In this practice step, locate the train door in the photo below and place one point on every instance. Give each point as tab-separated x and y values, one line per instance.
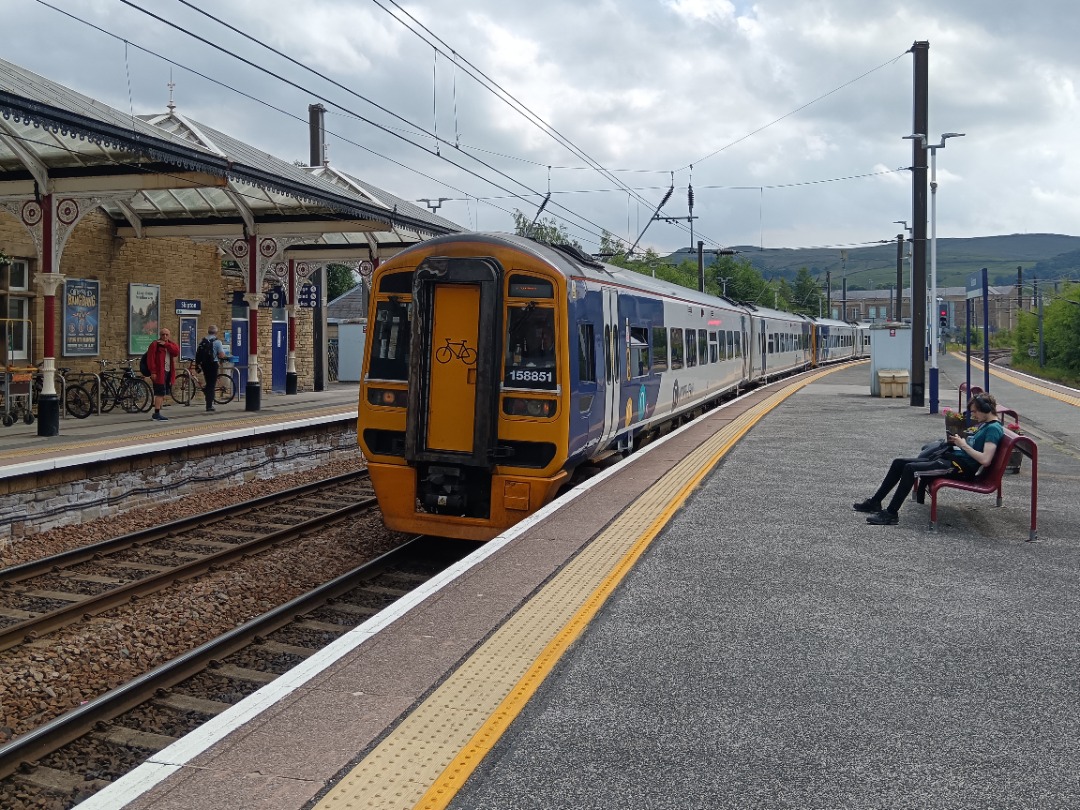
763	348
454	361
611	364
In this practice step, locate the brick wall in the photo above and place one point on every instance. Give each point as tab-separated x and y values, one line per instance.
183	269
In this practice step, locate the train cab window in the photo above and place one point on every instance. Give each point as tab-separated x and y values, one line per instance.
659	349
676	349
638	350
390	340
530	347
703	347
586	353
396	283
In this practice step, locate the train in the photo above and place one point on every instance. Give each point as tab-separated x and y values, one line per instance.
496	365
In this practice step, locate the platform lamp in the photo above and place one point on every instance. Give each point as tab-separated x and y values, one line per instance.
933	255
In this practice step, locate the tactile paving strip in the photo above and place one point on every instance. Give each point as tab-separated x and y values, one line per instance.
425	760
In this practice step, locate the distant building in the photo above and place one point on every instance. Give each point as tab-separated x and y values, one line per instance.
880	306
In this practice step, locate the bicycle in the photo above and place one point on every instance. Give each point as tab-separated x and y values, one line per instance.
124	388
190	379
77	399
458	349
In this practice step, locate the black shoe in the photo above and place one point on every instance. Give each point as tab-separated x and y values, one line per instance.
211	410
866	506
883	518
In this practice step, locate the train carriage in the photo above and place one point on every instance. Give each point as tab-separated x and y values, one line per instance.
495	365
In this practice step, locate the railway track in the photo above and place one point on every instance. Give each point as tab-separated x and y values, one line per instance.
42	596
79	753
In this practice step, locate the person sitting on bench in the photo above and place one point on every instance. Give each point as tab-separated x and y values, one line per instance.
965	457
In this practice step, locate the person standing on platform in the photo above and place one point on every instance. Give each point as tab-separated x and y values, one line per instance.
161	357
965	458
208	355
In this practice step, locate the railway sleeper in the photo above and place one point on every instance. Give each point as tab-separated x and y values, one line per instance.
53	779
190	703
133	738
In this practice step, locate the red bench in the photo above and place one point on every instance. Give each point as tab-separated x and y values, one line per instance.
989	480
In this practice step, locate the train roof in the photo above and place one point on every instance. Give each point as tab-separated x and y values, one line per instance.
572	263
832	322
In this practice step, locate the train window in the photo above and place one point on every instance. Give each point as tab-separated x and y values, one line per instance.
714	351
390	341
659	349
676	349
639	351
529	287
772	343
396	283
738	343
586	353
530	347
703	346
691	348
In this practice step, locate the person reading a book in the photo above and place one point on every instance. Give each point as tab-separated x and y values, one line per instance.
965	458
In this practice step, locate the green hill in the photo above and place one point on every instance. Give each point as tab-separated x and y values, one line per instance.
1042	255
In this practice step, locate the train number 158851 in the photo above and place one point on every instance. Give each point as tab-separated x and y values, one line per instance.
529	375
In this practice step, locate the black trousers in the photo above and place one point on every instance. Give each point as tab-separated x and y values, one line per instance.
901	475
210	375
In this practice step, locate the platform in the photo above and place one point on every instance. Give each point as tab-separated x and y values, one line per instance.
105	435
708	624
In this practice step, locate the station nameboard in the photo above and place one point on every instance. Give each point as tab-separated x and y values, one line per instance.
188	306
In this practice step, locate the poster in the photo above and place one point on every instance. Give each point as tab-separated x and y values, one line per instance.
81	317
189	337
144	316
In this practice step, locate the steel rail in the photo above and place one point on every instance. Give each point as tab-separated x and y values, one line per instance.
35	627
33	568
60	731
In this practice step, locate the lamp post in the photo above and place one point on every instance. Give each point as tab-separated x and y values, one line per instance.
933	256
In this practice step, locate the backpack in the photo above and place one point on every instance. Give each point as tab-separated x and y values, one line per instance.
144	364
204	354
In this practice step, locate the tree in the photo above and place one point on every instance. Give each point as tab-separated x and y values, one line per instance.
806	297
340	278
543	230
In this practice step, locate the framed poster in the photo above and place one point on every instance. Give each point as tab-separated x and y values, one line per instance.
144	316
189	337
81	317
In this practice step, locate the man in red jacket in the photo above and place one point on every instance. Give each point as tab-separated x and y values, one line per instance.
161	357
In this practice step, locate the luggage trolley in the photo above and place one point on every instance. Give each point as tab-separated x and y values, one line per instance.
16	381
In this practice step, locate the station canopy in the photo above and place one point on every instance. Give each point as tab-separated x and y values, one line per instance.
165	175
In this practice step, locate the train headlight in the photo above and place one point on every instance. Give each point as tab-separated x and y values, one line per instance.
527	406
388	397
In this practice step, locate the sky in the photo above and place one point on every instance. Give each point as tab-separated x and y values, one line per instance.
786	117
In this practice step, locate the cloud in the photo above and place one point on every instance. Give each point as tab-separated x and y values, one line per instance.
773	103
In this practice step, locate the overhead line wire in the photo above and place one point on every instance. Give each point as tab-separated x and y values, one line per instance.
795	111
348	90
321	97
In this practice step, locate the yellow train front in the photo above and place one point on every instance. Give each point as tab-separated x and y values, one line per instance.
463	368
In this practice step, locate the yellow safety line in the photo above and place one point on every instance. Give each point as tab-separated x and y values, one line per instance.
1050	392
453	777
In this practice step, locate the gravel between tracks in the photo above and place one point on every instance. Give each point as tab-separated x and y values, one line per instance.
78	663
44	544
